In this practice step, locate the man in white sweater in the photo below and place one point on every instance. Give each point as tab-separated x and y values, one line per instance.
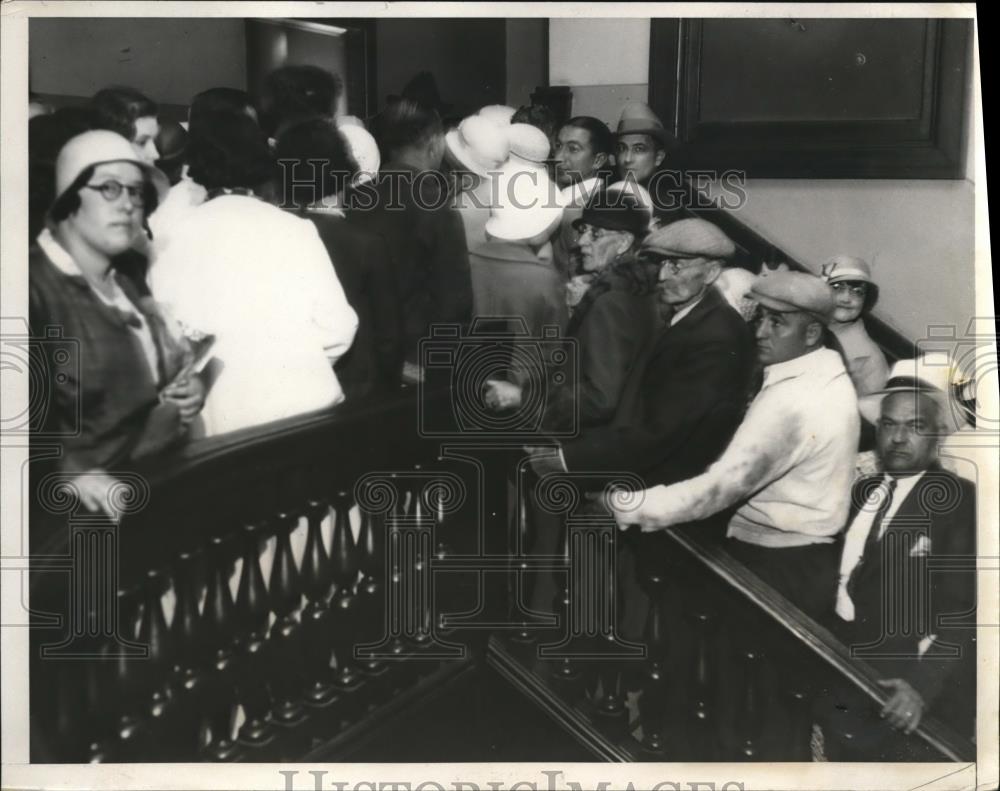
789	467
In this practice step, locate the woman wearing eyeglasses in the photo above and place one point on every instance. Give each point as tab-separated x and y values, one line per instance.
112	391
855	293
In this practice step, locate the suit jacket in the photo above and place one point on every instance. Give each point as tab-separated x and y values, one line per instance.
361	260
681	403
611	326
426	240
935	524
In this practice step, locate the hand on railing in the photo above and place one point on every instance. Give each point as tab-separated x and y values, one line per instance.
905	706
499	395
95	488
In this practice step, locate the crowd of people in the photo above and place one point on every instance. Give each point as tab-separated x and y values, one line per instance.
314	252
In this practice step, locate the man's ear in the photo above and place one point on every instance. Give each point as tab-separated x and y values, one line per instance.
600	160
660	156
712	272
814	333
626	242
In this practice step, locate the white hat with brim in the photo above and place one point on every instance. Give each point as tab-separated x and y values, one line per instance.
479	145
100	147
363	149
528	203
931	375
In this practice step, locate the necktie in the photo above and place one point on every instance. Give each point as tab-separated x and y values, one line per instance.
866	527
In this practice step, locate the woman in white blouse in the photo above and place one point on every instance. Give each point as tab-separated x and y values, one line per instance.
260	280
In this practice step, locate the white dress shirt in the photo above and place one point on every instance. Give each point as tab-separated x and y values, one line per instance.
857	534
791	462
261	281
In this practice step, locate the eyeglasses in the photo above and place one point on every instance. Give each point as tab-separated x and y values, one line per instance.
676	264
597	233
855	289
112	190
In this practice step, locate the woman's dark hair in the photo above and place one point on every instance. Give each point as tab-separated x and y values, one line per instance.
118	108
228	150
538	115
68	203
601	138
218	100
314	161
294	93
405	123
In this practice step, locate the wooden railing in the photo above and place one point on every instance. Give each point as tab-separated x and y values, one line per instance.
729	669
235	612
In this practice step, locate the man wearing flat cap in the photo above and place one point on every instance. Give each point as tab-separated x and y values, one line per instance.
687	390
788	469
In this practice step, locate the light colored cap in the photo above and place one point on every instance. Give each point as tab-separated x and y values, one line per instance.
846	267
794	291
931	374
364	149
478	144
528	203
528	143
349	120
98	147
499	114
633	187
692	238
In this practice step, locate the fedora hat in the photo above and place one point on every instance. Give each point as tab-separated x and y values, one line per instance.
527	203
932	375
638	118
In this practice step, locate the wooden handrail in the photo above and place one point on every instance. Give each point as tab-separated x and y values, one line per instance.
815	637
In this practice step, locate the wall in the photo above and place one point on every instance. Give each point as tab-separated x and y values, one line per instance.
466	56
606	61
918	233
527	65
170	60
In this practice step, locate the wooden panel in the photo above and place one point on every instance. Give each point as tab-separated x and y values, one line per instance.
837	99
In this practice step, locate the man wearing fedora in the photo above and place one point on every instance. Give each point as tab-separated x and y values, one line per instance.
788	470
474	151
685	393
904	519
640	154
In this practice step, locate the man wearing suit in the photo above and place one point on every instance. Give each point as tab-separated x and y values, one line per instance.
788	470
687	390
905	523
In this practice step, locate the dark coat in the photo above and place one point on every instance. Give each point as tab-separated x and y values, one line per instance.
681	403
426	241
941	508
97	399
610	327
508	279
364	269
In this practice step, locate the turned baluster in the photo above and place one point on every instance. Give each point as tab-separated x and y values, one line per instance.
521	583
700	726
749	724
371	590
418	584
219	631
252	615
566	673
121	692
153	633
653	702
316	625
345	605
285	597
188	687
